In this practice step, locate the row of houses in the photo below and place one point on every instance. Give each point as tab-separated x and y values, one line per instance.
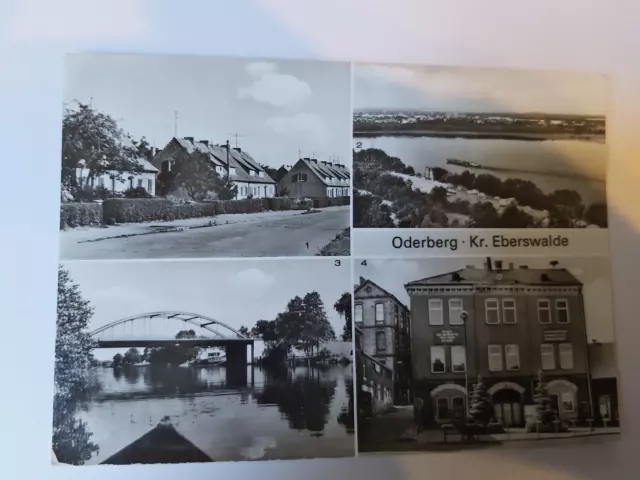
307	178
504	323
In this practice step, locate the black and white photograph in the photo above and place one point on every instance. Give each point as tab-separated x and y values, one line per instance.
446	147
198	361
456	354
167	156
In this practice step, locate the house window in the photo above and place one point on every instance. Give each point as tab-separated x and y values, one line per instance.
565	352
101	182
299	177
150	186
381	341
131	183
562	310
139	182
508	310
455	310
442	408
512	357
435	311
113	184
495	358
457	407
567	402
438	361
492	311
604	406
458	358
547	356
379	312
544	310
358	313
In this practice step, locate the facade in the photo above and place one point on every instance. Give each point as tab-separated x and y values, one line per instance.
385	324
374	380
243	171
506	325
309	178
604	384
118	182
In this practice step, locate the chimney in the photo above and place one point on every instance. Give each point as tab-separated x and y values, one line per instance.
307	159
205	142
498	264
329	163
189	139
238	149
488	265
524	267
324	162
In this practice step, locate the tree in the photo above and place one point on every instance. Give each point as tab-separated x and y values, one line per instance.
93	140
545	414
317	326
132	356
484	215
186	334
439	174
196	174
488	184
244	331
480	408
272	172
596	214
343	307
143	148
118	360
570	199
513	217
439	195
73	354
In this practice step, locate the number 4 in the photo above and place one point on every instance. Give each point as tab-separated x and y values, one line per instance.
363	263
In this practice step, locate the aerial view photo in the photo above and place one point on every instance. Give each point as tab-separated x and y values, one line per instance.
486	148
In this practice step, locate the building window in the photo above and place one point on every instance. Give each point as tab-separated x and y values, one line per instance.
150	186
113	184
139	182
512	357
565	352
495	358
442	408
299	177
544	310
101	182
131	183
457	407
567	402
435	311
438	361
604	406
379	312
548	357
509	310
562	310
458	358
455	310
358	313
381	341
492	311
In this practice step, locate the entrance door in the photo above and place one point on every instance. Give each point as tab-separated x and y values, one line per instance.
507	414
516	409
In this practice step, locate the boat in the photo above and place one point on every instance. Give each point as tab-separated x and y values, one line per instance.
210	357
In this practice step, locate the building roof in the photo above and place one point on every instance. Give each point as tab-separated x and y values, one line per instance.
238	159
332	175
511	276
365	282
146	165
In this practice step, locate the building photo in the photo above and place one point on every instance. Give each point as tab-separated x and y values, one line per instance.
169	156
203	361
495	350
453	147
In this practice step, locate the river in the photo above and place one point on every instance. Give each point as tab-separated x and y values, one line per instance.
550	164
292	413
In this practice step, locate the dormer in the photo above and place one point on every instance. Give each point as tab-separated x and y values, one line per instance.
261	174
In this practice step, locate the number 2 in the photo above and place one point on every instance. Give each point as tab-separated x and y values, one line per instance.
358	144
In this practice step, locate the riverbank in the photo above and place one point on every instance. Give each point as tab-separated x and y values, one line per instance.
495	135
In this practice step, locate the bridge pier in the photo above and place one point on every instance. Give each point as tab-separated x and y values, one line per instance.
236	365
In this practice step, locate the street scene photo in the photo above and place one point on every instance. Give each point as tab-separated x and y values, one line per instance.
192	157
198	361
467	353
441	147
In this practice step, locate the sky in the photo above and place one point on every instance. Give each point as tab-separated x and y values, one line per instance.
236	292
278	108
593	272
478	90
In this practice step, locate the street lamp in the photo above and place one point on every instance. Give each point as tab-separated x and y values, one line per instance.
464	316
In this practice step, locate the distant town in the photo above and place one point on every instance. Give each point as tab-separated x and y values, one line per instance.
521	126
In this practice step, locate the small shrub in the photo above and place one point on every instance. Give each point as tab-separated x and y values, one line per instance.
138	192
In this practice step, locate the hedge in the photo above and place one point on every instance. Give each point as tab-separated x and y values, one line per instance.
331	202
80	214
126	210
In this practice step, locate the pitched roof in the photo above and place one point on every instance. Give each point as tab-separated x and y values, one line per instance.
519	276
390	295
337	176
146	165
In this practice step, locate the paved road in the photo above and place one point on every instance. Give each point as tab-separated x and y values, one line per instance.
301	235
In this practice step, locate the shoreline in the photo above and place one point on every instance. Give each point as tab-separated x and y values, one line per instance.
532	137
